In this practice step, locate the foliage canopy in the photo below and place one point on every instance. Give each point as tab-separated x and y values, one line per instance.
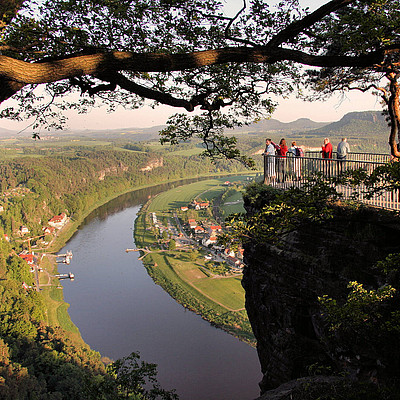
187	55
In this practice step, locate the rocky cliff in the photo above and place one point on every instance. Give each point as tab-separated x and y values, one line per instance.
283	281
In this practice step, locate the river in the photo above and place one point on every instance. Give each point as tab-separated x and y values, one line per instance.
118	309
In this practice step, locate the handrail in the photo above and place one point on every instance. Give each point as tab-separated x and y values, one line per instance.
355	156
287	172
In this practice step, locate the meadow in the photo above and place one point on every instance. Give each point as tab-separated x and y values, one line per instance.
183	195
233	204
183	273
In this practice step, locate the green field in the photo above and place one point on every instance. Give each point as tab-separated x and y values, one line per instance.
219	299
236	207
188	152
176	271
183	195
227	291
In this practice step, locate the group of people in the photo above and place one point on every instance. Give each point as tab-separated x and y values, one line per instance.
284	167
281	149
343	149
280	165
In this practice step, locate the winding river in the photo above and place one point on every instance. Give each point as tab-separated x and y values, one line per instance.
119	309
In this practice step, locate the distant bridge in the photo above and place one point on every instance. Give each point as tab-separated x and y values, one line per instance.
291	171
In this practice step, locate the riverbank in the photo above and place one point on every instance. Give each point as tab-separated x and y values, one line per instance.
183	274
73	225
57	308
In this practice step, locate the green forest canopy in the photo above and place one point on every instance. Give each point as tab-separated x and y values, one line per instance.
194	58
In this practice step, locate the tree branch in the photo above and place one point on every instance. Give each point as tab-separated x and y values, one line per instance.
102	63
293	29
147	93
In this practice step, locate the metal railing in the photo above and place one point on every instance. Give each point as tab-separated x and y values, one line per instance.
291	171
373	157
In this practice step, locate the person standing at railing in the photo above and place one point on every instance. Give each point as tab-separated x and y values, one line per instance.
294	157
269	153
327	150
343	149
281	150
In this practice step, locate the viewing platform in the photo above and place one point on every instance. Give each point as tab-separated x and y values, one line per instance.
292	171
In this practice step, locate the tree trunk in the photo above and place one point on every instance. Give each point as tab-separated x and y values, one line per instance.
394	113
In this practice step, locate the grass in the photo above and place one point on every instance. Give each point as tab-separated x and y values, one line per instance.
65	320
219	300
183	195
237	207
228	291
188	152
168	266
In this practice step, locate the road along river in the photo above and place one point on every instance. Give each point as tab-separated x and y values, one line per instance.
118	309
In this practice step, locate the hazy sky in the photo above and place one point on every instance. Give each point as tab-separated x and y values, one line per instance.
288	109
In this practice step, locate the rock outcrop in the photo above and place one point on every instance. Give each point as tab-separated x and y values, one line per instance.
283	282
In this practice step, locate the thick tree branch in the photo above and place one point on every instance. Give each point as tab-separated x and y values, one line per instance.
293	29
8	88
104	63
163	98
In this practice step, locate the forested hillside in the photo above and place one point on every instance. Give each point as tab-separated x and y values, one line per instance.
38	360
35	189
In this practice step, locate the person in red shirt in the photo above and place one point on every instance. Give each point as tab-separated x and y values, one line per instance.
327	149
327	154
281	150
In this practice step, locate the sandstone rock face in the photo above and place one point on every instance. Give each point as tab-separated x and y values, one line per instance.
283	282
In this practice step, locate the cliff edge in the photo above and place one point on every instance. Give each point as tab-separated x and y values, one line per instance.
284	279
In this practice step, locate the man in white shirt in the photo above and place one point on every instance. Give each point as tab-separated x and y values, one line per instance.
342	149
269	154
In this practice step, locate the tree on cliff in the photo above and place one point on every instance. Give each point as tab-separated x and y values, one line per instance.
188	55
361	31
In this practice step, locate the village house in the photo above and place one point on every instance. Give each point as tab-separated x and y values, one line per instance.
204	204
29	258
49	230
184	208
23	230
233	261
200	205
1	208
214	229
229	253
209	240
58	221
199	229
192	223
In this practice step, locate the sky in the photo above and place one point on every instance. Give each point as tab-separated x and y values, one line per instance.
288	110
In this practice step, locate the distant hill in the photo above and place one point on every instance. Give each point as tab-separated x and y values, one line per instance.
130	134
274	126
355	124
7	133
